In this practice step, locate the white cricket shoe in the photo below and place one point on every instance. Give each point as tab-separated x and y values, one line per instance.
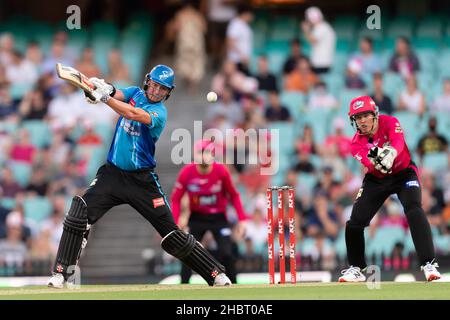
56	281
352	274
430	271
222	280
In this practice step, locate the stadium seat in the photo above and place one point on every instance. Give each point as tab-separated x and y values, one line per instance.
21	172
425	43
284	28
37	209
8	126
442	243
105	131
431	27
340	246
286	136
436	162
98	157
340	63
19	90
345	26
319	121
385	239
393	84
77	41
8	203
43	33
400	26
316	161
277	52
306	183
295	102
442	65
40	133
427	59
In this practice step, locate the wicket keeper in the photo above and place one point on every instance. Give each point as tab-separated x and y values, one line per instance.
209	186
128	177
380	146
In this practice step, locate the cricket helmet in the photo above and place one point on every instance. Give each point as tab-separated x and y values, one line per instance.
161	74
362	104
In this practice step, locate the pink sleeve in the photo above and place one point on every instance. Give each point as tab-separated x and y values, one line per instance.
396	137
177	194
233	194
359	152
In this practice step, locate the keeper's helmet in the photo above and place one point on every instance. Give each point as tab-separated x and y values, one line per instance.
362	104
162	75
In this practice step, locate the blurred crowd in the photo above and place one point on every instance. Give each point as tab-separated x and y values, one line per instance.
321	167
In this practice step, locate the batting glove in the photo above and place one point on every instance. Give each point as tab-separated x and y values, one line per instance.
88	98
103	86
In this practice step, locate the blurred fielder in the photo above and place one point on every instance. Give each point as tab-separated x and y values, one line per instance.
128	177
380	146
209	187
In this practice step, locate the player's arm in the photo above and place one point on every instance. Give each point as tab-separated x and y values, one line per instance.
396	136
233	195
115	99
177	194
360	152
128	111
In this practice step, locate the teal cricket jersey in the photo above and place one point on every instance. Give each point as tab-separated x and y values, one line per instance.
133	145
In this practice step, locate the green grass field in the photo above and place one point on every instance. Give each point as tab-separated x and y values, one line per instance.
311	291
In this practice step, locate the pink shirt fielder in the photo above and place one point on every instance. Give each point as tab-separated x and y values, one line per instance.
208	193
389	130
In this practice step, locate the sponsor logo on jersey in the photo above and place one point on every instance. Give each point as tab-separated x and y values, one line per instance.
412	183
358	157
130	127
217	187
193	187
158	202
208	200
154	114
132	102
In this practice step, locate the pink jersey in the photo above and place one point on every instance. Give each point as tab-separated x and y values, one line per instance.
389	130
208	193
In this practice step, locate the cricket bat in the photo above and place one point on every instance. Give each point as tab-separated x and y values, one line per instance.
76	78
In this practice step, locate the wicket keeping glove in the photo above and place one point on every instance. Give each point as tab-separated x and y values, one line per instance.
382	158
386	157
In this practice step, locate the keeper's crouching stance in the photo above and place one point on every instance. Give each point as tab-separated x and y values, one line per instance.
128	177
380	146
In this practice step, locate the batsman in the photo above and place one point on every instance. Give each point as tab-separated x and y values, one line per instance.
128	177
379	145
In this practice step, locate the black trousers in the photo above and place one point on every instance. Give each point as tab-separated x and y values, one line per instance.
141	190
371	197
199	224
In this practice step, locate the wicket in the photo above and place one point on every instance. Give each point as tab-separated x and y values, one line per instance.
281	239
